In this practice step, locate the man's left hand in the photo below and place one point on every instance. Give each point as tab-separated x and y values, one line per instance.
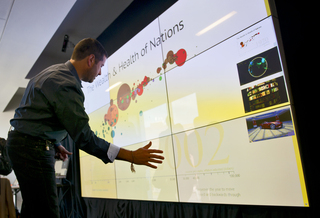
62	153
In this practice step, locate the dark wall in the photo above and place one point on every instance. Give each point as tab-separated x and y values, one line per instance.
297	22
137	16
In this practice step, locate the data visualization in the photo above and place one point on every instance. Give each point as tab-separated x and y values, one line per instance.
206	83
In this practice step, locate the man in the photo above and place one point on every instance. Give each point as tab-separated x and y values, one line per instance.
51	108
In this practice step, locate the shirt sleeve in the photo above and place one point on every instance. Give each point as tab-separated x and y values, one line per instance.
66	99
113	152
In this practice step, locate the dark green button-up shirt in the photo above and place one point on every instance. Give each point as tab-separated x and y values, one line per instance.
52	107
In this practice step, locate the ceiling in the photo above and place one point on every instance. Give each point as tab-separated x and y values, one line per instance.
32	33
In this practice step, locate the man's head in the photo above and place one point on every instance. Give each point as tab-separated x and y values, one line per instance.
88	57
87	47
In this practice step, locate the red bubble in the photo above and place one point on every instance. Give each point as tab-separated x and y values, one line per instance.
140	89
181	57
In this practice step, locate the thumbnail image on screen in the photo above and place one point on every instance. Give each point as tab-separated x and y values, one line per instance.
205	83
270	125
265	94
259	66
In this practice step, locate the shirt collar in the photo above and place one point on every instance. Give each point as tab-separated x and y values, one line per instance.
73	71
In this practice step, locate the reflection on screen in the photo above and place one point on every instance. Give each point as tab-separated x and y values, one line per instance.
204	82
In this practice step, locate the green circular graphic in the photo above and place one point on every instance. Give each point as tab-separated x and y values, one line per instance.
257	67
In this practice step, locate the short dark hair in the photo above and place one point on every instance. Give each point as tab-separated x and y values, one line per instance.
87	47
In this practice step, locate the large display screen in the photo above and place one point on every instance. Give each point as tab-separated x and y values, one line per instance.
205	82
